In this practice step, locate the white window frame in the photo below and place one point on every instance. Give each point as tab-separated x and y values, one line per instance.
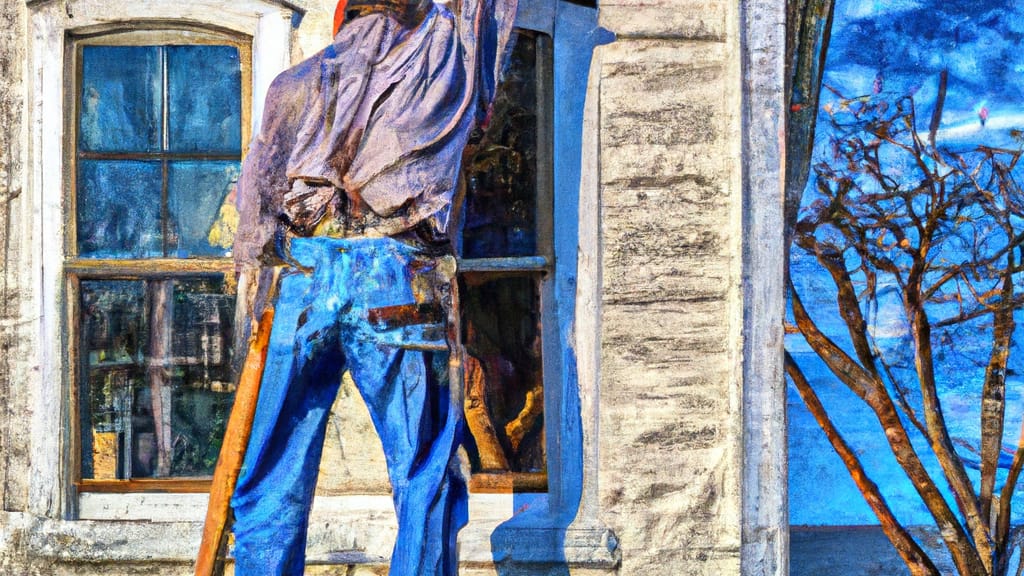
51	25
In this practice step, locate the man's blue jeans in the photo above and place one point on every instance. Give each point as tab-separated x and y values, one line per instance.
322	327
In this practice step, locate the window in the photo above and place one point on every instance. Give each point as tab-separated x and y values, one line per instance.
158	139
506	249
159	119
158	132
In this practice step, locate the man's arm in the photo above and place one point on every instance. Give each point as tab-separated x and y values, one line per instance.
264	181
486	30
259	196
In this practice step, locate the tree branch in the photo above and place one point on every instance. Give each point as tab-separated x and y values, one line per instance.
938	432
1006	498
993	393
913	556
872	391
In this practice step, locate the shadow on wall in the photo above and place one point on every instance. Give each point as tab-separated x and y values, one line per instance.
532	542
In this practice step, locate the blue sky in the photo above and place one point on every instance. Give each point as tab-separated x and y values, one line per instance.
888	49
903	45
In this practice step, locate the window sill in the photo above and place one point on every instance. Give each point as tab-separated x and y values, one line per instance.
155	485
481	483
344	530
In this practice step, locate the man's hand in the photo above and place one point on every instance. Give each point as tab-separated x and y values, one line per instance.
306	204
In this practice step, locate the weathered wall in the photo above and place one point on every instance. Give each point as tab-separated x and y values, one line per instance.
16	343
15	347
671	427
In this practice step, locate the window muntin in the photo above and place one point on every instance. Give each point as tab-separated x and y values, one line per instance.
159	119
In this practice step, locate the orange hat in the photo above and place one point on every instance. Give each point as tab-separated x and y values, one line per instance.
339	15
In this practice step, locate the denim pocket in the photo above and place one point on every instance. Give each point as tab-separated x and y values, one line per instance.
421	324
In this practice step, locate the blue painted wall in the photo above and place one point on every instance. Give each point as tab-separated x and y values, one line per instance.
532	542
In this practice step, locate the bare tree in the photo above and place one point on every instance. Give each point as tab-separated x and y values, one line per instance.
942	229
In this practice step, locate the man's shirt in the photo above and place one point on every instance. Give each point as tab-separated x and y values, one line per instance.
375	123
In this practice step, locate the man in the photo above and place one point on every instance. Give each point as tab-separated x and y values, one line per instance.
349	189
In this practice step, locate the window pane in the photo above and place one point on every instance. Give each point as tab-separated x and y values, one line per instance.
113	348
196	194
118	209
205	87
504	375
157	383
501	176
120	99
202	379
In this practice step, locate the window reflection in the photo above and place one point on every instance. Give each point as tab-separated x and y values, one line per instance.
501	173
157	383
504	372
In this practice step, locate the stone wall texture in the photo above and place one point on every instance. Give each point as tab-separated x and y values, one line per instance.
670	424
15	288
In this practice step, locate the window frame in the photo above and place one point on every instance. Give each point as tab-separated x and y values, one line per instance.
76	268
540	266
39	236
